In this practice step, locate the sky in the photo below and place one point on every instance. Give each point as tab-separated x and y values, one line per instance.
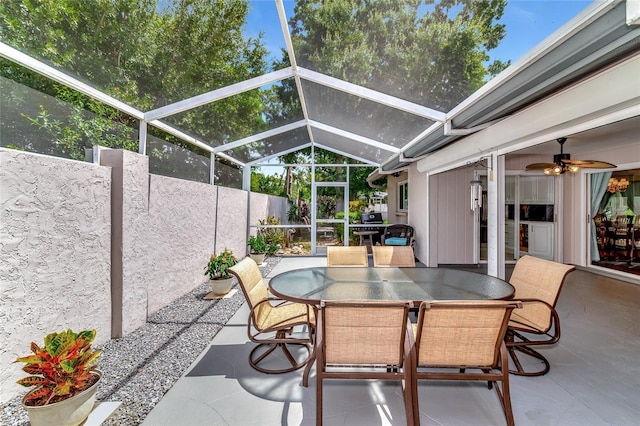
528	22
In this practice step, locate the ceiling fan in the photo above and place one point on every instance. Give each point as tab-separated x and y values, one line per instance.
563	163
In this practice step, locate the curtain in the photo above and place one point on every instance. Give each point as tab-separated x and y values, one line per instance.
599	183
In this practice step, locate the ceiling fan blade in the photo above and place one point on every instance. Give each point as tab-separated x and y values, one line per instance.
539	166
590	164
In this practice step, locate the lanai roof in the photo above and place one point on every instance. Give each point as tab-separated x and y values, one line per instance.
371	122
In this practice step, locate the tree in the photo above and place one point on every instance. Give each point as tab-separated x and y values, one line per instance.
431	53
145	53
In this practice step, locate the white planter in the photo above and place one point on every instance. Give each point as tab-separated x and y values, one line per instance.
222	286
257	257
70	412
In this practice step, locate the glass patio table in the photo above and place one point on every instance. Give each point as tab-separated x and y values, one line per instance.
311	285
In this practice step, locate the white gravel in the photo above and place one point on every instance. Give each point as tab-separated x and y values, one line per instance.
141	367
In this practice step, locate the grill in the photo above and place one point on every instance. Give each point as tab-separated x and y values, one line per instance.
373	219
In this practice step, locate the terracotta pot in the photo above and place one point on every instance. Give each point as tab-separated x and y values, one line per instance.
69	412
257	257
221	286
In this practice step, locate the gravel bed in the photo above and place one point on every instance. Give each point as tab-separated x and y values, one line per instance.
141	367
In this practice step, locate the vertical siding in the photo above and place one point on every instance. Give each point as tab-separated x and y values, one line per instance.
453	217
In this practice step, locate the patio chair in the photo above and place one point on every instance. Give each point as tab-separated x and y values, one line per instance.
537	283
398	235
347	256
393	256
364	340
453	337
271	320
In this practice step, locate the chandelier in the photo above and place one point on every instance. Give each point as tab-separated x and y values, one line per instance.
616	185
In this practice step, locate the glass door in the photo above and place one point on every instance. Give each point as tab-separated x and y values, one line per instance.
331	217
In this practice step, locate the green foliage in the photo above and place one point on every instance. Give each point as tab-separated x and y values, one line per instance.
267	184
62	368
434	53
326	205
143	53
257	244
273	237
218	265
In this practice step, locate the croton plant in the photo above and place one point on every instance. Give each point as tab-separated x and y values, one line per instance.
61	369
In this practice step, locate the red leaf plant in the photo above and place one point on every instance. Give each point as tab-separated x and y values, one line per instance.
61	369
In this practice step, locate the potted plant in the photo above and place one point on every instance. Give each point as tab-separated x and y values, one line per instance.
65	374
217	267
257	248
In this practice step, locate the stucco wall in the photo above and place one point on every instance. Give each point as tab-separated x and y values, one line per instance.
182	218
231	231
262	205
55	231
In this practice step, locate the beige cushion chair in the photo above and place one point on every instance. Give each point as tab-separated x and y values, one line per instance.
393	256
464	340
364	340
347	256
537	283
271	320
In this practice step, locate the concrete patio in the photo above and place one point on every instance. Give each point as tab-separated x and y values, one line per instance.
593	378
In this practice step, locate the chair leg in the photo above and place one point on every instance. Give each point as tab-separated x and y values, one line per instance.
255	359
520	371
318	401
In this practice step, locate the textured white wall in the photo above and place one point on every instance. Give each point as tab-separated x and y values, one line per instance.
263	205
231	230
130	218
55	232
180	239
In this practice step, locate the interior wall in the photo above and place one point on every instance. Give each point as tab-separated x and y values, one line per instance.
55	253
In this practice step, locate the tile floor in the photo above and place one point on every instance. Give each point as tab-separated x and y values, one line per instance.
594	377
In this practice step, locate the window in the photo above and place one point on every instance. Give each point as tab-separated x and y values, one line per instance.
403	196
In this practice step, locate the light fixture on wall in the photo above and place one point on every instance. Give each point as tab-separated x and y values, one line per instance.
616	185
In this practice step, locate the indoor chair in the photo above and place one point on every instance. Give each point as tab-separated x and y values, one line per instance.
347	256
272	320
453	337
364	340
393	256
537	284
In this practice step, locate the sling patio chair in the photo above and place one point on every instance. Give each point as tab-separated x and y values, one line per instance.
393	256
272	320
464	340
347	256
364	340
537	283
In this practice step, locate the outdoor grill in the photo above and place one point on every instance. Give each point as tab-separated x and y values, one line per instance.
373	219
